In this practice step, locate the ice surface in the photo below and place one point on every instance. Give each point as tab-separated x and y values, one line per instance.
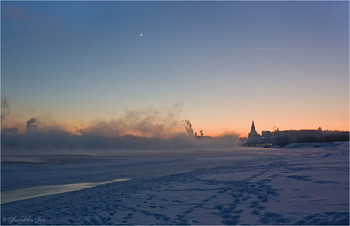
34	192
299	184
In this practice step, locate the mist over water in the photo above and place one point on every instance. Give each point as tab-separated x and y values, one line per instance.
145	123
148	129
60	140
5	108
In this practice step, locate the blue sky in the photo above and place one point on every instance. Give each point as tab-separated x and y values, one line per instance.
279	63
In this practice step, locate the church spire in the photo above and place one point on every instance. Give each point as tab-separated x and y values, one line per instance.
253	128
253	132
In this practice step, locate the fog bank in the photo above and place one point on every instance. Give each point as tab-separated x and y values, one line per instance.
135	130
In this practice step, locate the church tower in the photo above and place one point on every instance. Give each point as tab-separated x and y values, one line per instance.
253	133
252	130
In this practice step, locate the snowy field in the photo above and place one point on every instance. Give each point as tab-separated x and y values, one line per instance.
298	184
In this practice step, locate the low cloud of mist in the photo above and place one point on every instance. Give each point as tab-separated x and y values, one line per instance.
136	130
145	123
56	140
5	108
32	126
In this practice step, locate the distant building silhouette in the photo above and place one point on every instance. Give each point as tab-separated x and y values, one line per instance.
253	137
278	137
253	134
9	131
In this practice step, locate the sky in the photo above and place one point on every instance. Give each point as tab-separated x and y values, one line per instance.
281	64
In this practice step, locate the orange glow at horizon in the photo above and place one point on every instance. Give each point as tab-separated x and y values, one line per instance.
210	128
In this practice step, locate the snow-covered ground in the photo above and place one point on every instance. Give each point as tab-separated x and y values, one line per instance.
298	184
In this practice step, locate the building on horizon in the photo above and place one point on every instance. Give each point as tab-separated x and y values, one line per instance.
9	131
253	137
277	137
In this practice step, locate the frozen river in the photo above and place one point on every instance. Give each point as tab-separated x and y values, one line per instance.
299	184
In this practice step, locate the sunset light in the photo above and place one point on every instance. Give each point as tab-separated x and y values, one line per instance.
175	112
